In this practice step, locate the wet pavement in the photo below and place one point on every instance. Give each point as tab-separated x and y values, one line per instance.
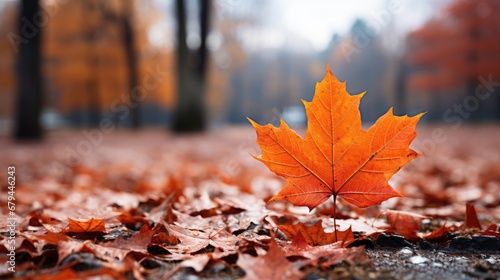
409	263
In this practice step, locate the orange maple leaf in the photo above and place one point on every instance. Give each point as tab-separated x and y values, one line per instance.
337	157
93	225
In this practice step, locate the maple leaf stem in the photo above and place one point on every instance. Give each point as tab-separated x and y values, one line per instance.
334	216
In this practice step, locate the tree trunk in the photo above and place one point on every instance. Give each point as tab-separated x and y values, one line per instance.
30	94
189	115
128	41
203	52
93	36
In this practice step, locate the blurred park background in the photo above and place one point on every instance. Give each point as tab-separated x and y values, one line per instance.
191	65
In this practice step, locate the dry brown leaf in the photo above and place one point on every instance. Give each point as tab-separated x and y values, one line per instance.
273	266
315	235
405	223
327	255
192	240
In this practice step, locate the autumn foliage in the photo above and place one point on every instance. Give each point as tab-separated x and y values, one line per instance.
158	205
451	51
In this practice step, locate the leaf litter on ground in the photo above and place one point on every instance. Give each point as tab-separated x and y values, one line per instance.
149	233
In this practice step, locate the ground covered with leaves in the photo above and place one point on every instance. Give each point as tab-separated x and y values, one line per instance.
151	205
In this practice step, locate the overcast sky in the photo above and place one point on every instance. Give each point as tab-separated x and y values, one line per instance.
316	20
306	25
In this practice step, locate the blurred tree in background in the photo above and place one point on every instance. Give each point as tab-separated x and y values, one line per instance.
27	44
189	64
100	63
349	62
460	51
8	23
191	70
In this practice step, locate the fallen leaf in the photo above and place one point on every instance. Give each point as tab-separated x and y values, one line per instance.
492	230
42	238
405	223
89	226
337	157
471	220
163	211
198	262
66	248
315	235
438	234
137	242
192	241
164	238
69	273
53	237
299	241
274	265
327	255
